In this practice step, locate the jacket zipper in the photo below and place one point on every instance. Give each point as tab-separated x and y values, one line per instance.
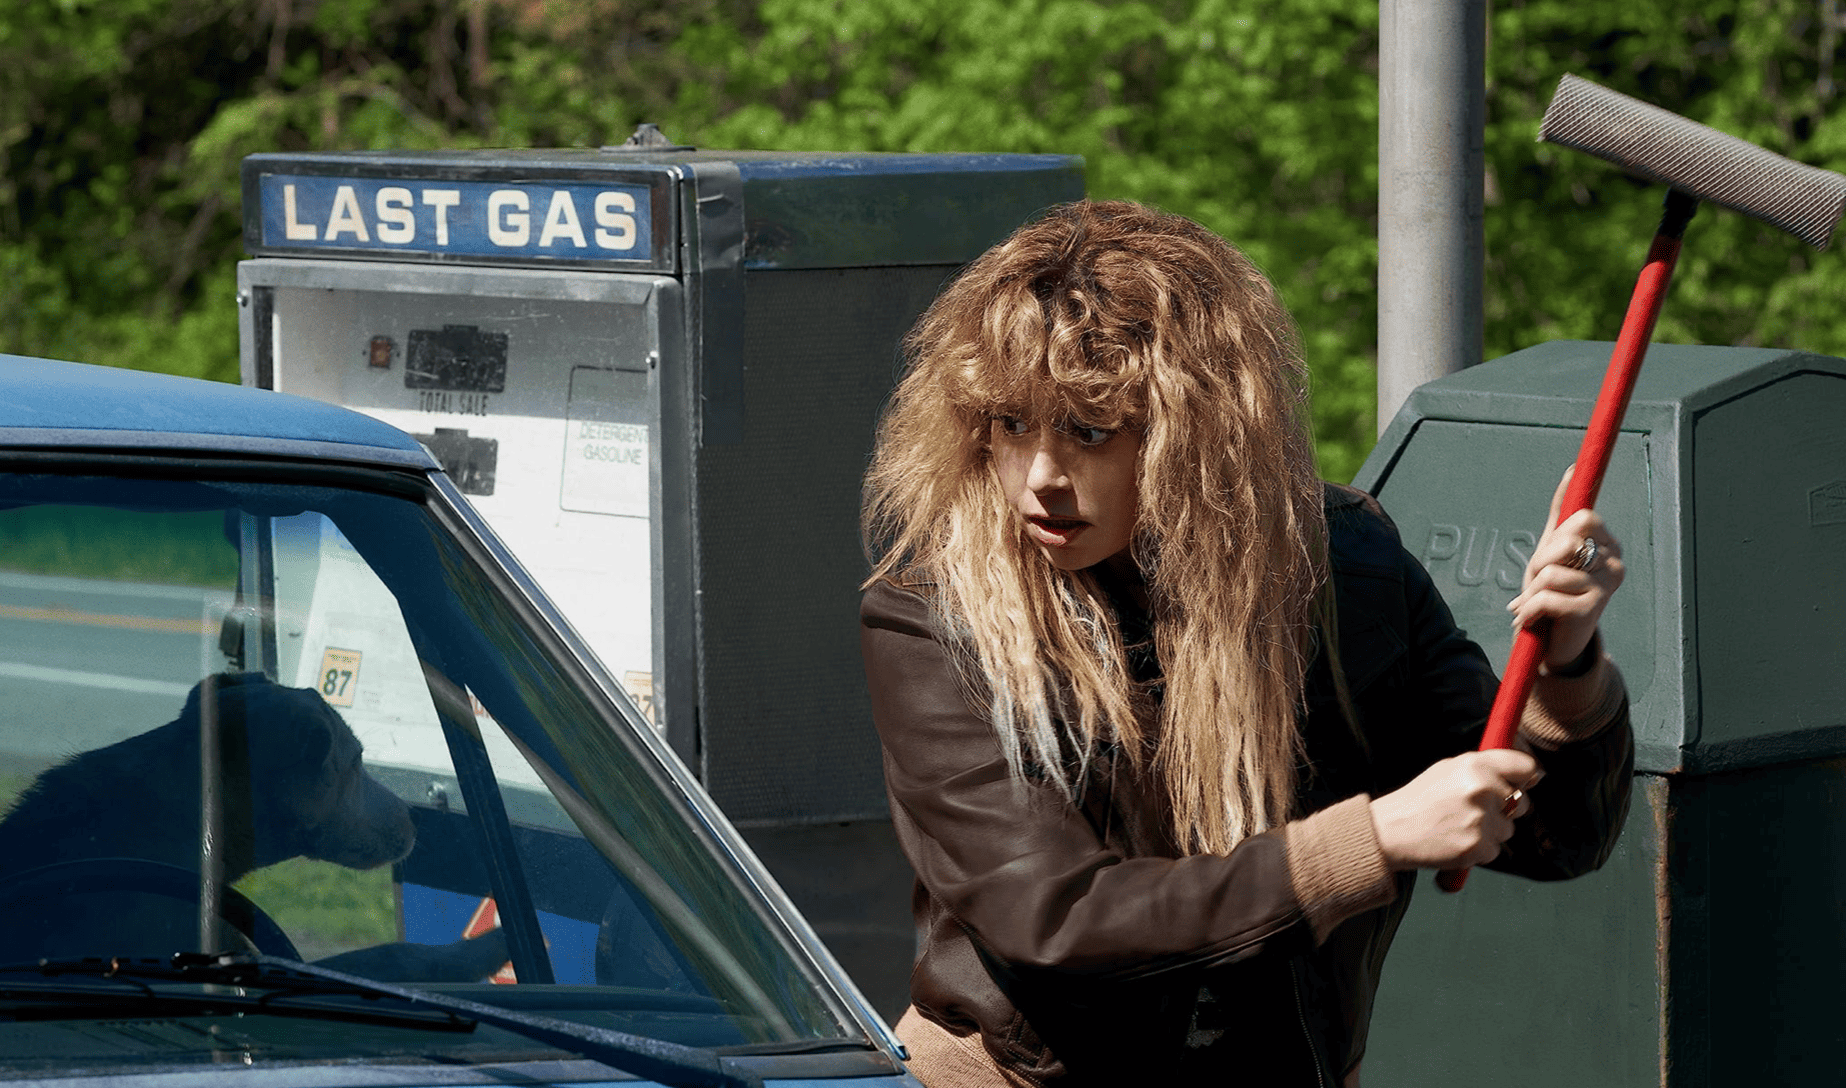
1301	1014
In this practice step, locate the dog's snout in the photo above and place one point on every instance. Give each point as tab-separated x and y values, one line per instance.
379	830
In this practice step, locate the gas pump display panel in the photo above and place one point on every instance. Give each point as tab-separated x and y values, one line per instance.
413	785
542	409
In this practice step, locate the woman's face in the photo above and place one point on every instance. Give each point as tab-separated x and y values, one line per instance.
1073	486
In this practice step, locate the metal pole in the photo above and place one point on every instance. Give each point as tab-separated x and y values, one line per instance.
1431	122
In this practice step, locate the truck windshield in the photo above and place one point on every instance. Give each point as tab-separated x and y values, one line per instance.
305	721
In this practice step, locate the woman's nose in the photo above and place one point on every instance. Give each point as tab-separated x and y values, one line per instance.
1047	472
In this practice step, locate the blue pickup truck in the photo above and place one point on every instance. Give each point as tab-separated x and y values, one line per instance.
303	779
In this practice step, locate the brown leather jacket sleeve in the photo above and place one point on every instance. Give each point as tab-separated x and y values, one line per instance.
1032	880
1057	930
1578	728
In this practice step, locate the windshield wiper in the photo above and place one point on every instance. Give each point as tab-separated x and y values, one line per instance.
671	1064
60	1001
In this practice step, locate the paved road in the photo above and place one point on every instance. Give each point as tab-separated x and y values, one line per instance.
87	663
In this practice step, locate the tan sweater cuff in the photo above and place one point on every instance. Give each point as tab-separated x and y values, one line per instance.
1565	710
1336	866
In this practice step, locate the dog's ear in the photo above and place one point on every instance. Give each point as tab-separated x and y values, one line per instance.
287	727
238	679
301	721
318	732
225	681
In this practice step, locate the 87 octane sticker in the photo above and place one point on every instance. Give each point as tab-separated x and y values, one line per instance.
339	675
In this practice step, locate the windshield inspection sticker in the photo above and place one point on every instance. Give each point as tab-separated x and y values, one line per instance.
473	218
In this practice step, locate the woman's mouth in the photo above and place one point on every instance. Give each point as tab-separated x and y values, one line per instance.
1055	532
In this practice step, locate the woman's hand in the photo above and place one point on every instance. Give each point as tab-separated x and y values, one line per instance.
1556	590
1456	814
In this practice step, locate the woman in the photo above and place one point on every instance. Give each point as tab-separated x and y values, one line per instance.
1168	723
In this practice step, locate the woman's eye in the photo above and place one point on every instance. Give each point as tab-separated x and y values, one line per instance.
1011	425
1090	436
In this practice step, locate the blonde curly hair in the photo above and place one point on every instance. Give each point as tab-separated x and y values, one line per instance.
1119	316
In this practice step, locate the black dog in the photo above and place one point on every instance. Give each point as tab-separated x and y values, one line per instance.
293	786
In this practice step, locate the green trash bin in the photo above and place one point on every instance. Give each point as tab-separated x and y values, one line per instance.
1711	950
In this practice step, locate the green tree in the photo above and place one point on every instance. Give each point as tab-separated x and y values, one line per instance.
1263	128
1566	233
1263	125
104	247
122	124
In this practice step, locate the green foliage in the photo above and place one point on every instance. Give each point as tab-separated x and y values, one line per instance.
1566	233
325	908
188	549
1264	129
13	782
1263	125
105	242
122	124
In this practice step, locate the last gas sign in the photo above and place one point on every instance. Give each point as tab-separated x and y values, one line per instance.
461	218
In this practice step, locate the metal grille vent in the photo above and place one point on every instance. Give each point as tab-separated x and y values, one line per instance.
785	722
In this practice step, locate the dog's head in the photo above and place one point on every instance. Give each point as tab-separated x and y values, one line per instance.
309	793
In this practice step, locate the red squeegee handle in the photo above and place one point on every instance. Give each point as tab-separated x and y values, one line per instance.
1592	462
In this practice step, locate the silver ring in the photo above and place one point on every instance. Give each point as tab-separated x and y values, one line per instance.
1511	803
1584	558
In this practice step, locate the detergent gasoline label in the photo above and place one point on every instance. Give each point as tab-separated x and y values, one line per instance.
606	443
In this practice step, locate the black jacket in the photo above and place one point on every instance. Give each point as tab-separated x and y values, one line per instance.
1084	949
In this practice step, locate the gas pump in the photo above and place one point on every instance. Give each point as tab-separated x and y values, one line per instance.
656	372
